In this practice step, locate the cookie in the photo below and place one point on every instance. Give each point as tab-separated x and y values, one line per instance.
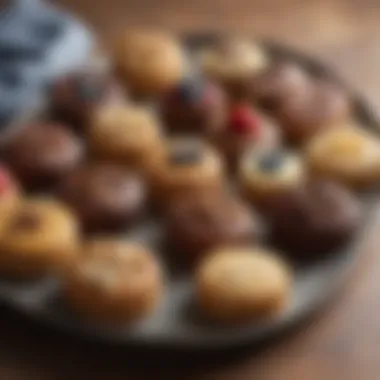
41	237
104	197
113	282
149	62
349	155
43	153
238	285
124	134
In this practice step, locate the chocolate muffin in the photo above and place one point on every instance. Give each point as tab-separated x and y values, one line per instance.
323	107
202	221
43	153
75	97
195	107
104	197
314	219
277	83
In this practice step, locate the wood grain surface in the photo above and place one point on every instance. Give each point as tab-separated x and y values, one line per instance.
343	341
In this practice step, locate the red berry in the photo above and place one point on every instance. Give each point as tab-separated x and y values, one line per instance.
244	120
5	180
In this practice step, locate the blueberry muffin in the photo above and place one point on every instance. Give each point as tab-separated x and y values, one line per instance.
237	285
113	282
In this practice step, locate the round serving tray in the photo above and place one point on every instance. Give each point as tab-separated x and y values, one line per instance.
175	324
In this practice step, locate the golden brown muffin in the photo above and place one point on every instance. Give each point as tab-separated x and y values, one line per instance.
236	285
185	165
125	135
349	155
113	282
233	62
41	237
264	174
149	62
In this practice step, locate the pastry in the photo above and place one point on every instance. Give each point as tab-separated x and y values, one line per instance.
196	107
314	219
277	83
267	174
185	165
202	221
74	97
324	107
124	134
113	282
43	153
40	237
246	129
149	62
349	155
104	196
233	63
236	285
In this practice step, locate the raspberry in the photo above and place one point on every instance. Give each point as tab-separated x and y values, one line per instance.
244	120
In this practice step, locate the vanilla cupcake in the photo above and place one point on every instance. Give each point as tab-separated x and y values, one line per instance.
233	63
124	134
349	155
113	282
236	285
149	62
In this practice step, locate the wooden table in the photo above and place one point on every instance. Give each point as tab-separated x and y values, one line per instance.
342	342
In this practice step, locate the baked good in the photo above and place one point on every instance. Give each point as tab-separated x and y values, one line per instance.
246	129
200	222
325	106
113	282
264	174
277	83
195	106
314	219
124	134
185	165
40	237
149	62
233	62
75	97
41	154
104	196
348	154
238	284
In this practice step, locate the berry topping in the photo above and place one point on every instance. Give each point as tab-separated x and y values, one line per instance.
186	154
243	120
5	180
191	89
271	161
89	88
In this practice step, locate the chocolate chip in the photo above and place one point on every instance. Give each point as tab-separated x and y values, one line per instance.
186	154
25	221
271	161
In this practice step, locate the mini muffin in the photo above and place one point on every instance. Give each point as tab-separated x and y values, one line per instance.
9	196
104	196
323	107
195	106
277	83
185	165
246	129
43	153
350	155
202	221
236	285
267	174
149	62
125	135
40	237
74	97
314	219
113	282
233	63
